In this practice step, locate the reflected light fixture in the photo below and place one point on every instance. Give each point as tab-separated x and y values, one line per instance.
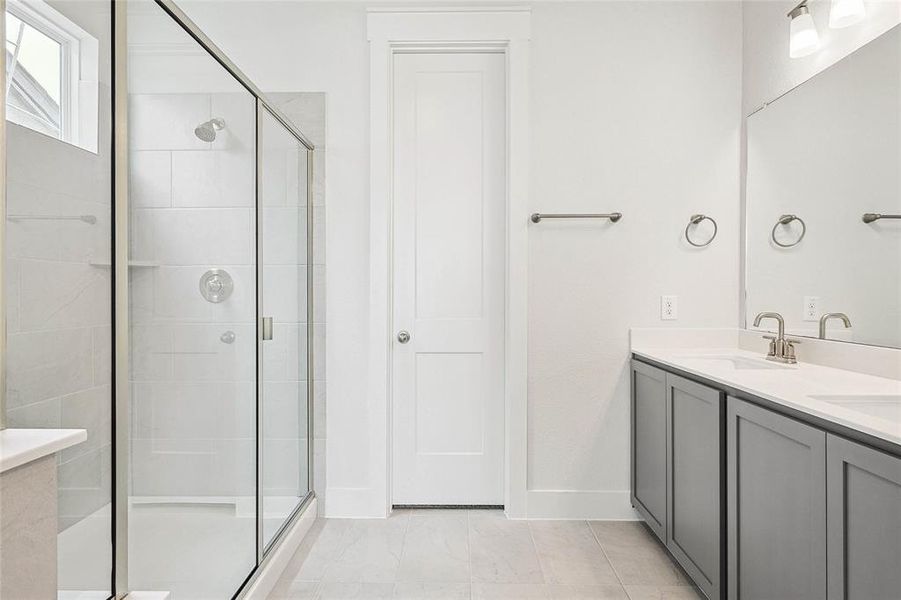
803	37
843	13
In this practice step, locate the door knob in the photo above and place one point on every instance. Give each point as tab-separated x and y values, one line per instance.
403	336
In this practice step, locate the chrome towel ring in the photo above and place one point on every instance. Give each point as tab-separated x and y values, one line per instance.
785	220
696	220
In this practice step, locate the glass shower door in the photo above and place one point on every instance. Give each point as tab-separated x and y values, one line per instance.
192	315
284	346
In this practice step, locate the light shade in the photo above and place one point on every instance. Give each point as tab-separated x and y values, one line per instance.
803	37
846	12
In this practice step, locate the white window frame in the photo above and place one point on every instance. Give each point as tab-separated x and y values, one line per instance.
78	70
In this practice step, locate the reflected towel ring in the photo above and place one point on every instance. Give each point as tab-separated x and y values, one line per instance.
785	220
696	220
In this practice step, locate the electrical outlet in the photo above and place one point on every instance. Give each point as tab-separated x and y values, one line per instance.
811	308
669	308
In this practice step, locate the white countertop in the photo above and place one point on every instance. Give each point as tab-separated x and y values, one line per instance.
20	446
791	386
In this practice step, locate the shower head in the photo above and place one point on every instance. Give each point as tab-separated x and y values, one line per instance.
207	131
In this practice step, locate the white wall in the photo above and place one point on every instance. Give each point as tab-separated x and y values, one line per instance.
769	71
635	107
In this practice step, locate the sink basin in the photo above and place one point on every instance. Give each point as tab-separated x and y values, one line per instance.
887	406
740	363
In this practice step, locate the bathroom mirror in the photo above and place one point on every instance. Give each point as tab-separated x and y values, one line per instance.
823	194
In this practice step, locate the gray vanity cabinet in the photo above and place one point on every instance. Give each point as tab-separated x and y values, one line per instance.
677	469
776	506
695	480
864	521
648	450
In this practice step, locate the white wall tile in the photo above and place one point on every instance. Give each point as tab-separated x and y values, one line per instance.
284	409
102	356
284	293
62	168
63	295
284	235
43	414
150	183
176	294
90	410
151	352
46	364
166	121
213	179
203	236
201	356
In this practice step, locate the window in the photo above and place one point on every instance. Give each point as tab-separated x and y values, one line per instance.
51	79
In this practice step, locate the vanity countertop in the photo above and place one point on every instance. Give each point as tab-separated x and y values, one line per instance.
20	446
862	402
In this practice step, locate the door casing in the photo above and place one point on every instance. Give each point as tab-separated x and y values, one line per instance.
393	31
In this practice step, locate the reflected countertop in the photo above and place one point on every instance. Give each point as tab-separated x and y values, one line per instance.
21	446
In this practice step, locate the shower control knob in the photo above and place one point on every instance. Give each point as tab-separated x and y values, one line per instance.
403	336
216	285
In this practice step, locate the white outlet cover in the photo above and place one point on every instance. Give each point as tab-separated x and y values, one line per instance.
669	308
811	308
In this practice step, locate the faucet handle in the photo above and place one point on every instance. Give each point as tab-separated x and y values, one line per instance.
789	350
772	348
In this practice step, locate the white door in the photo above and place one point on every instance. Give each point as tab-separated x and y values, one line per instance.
449	203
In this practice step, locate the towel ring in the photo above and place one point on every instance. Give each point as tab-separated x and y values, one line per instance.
696	220
785	220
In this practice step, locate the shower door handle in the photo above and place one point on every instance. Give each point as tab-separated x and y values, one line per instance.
267	328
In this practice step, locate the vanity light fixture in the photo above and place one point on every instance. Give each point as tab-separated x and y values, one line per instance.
803	36
843	13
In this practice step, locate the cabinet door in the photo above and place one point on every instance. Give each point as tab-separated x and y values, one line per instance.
649	445
695	478
864	521
776	505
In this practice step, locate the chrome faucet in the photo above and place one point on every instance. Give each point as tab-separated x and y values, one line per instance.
781	349
837	315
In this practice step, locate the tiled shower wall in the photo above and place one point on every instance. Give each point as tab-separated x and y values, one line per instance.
58	305
192	209
193	395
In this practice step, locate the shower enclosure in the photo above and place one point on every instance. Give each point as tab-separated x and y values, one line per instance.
165	306
218	313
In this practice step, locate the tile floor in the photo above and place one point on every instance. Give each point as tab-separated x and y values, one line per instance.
475	555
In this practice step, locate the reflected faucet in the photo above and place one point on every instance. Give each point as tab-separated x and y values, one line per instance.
836	315
781	349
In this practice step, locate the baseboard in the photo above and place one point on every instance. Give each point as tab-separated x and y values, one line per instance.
574	504
354	503
277	561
